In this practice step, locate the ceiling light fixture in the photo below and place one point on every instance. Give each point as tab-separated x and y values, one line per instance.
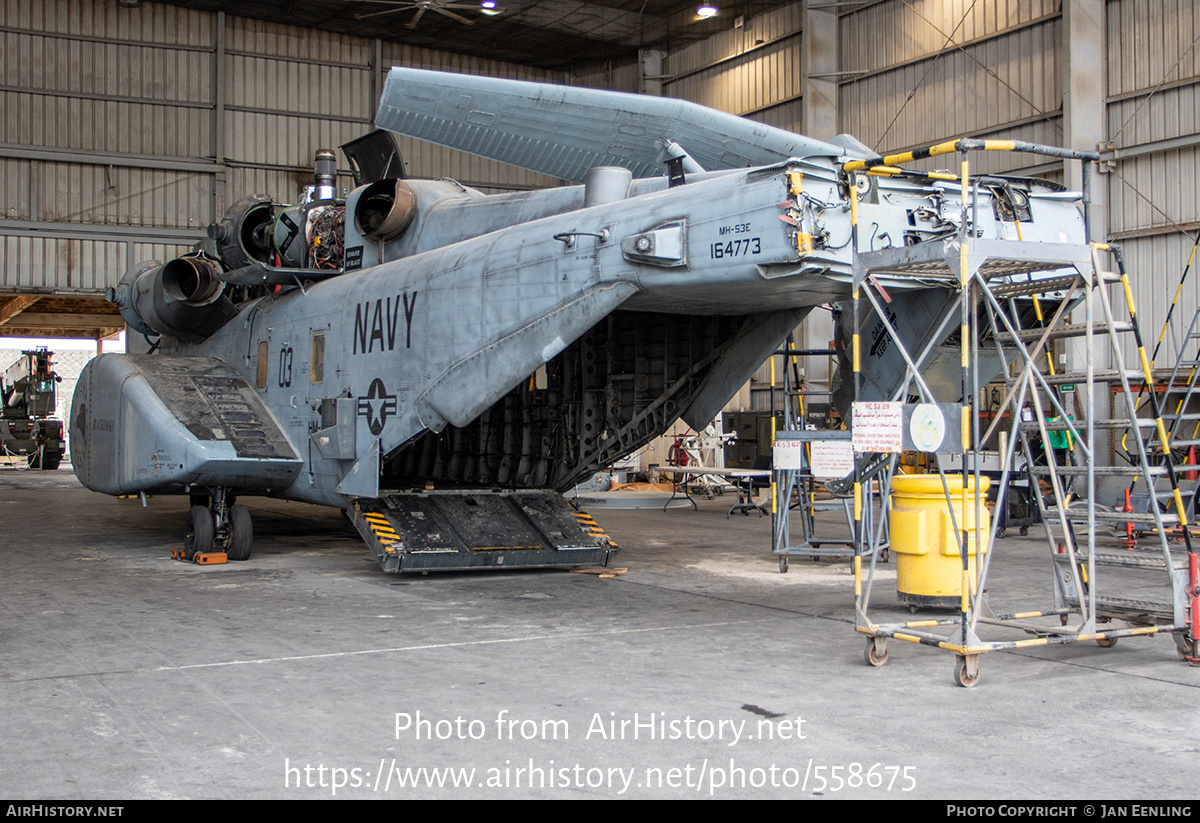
704	12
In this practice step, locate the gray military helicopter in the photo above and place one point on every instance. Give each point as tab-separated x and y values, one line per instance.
441	364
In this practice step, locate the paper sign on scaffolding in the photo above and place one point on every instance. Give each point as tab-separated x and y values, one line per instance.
891	428
832	459
878	427
787	454
827	454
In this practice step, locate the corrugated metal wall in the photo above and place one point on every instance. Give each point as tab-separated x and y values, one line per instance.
752	70
911	72
932	70
1154	130
916	72
623	77
125	131
92	97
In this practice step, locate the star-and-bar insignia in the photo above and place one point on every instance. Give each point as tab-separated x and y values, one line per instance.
376	406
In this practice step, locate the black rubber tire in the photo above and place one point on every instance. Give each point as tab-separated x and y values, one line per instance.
241	533
1106	642
198	532
47	461
783	564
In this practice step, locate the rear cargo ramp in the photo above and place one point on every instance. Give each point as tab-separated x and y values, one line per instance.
459	530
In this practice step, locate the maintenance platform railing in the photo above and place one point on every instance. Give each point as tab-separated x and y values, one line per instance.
1092	597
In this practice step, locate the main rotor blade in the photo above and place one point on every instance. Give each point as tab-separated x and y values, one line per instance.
563	131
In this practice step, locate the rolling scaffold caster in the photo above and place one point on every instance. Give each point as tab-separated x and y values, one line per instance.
876	652
1186	648
783	564
966	670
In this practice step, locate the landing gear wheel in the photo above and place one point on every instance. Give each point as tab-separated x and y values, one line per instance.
876	653
241	533
966	670
783	564
198	532
1106	642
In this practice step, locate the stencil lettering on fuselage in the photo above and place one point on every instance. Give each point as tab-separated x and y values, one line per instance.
377	323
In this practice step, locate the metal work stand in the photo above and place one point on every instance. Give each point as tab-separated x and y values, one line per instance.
800	483
795	487
1091	587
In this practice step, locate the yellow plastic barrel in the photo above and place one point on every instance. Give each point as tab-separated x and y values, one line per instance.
928	563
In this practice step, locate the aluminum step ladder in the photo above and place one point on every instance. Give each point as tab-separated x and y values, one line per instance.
1151	587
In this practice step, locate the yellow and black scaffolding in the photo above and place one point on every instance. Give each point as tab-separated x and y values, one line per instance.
987	275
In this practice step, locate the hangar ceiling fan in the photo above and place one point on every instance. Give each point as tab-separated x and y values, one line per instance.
442	7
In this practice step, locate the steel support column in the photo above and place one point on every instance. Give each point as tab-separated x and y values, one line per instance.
1084	50
819	64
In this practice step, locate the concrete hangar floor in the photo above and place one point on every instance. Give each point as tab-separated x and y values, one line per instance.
702	671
